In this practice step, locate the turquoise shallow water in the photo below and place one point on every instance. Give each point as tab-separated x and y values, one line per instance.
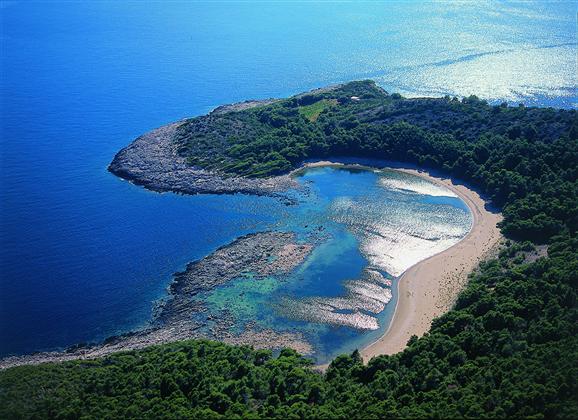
368	227
85	255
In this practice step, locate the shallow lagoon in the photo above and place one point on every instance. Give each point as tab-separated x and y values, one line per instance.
367	227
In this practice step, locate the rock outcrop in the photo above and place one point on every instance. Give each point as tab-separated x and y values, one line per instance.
153	162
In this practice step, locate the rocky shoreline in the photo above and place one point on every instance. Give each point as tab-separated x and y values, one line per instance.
259	254
152	161
184	315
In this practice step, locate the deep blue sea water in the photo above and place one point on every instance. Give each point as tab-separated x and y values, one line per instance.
83	254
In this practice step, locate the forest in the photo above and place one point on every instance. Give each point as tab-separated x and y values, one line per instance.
508	348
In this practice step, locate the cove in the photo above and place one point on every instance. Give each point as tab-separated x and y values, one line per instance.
366	227
319	274
323	277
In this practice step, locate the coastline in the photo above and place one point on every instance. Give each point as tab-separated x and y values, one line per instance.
426	290
429	288
184	314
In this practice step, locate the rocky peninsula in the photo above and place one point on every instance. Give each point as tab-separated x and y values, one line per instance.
153	162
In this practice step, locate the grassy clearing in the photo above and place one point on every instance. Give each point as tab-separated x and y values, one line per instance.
311	112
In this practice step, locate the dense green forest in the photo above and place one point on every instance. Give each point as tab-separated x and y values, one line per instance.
508	348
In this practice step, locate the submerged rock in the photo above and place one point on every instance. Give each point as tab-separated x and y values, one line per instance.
183	315
262	254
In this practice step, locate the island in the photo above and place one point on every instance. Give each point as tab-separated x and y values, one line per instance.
495	312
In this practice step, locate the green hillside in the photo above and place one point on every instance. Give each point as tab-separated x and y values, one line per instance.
524	159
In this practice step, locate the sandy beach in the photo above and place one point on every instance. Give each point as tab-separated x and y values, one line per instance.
429	288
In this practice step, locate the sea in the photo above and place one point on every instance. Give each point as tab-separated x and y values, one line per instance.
85	255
